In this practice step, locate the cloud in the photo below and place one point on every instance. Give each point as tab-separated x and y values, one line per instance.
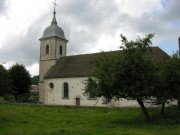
20	31
171	12
90	26
23	47
2	6
33	69
86	22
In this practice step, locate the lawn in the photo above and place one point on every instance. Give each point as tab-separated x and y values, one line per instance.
1	99
26	119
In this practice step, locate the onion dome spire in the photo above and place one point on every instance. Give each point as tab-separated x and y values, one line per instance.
53	30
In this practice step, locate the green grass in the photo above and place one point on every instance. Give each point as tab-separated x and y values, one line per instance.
1	99
19	119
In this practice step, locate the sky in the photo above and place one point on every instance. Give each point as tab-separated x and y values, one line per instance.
89	25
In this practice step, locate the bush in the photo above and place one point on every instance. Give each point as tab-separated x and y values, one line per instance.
23	97
34	97
9	97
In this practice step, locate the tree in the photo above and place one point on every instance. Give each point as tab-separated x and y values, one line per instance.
20	79
161	94
171	78
129	75
4	81
35	80
104	78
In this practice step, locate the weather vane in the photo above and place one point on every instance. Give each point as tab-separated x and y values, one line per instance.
54	6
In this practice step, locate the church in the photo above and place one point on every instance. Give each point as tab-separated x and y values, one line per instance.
62	77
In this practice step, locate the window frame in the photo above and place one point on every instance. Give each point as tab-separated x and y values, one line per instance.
65	90
91	96
60	50
47	49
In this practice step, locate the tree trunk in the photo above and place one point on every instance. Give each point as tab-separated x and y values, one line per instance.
162	108
143	108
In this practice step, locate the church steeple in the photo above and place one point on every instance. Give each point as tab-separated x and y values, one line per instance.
54	30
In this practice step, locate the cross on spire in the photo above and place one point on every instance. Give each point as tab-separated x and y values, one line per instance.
54	18
55	4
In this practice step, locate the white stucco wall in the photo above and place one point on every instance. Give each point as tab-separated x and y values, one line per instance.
76	86
41	92
54	95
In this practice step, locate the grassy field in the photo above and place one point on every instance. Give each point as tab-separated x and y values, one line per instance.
19	119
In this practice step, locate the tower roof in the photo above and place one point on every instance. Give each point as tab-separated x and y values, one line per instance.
53	30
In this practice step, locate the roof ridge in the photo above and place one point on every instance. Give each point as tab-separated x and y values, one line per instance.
102	52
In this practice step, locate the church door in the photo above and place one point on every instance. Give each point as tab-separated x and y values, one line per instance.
77	101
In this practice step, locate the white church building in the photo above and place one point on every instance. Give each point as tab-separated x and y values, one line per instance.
62	77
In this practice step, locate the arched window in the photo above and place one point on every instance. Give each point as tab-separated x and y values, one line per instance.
47	49
91	94
60	49
66	90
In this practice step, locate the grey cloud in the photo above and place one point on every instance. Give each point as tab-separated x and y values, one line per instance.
92	14
149	23
81	42
24	49
171	11
146	24
98	16
2	6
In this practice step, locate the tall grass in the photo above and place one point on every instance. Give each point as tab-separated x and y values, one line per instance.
19	119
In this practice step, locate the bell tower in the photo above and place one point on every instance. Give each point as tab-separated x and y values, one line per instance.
52	47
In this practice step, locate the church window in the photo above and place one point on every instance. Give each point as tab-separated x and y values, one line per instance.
66	90
47	49
51	85
91	94
60	50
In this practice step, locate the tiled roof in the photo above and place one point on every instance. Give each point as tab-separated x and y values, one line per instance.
80	65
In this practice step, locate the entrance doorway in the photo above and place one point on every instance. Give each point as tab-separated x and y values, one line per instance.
77	101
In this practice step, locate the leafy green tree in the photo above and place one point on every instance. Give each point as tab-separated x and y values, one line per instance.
104	77
4	81
137	77
126	75
171	78
35	80
21	79
161	94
